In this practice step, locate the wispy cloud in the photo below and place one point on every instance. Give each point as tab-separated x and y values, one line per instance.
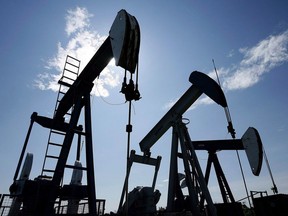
77	19
258	60
262	58
231	53
82	44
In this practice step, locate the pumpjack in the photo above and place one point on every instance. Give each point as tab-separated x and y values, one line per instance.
184	149
46	194
49	195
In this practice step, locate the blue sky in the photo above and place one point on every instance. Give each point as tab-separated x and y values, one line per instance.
248	41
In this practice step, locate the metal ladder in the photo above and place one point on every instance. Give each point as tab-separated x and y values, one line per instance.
56	137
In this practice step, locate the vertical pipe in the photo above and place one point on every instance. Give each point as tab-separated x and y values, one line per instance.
173	177
89	157
24	146
78	147
128	130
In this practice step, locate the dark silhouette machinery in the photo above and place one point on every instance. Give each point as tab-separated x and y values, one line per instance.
47	195
195	181
44	195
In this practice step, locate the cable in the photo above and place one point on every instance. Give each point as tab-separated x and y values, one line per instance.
103	99
244	180
216	73
231	130
128	130
274	188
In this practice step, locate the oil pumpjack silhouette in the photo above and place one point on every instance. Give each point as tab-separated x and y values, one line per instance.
48	194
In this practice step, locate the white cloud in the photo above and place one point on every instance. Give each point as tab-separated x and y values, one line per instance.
77	19
203	101
257	60
262	58
82	44
222	72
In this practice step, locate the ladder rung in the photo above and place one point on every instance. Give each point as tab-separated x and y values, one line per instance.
52	156
68	70
68	56
75	167
68	78
62	92
73	64
55	144
58	132
45	176
71	68
65	84
76	66
79	132
48	170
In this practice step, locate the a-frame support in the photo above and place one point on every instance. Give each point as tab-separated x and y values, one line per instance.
194	178
226	192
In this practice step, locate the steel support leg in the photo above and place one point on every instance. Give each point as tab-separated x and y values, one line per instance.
89	157
222	181
173	175
186	140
